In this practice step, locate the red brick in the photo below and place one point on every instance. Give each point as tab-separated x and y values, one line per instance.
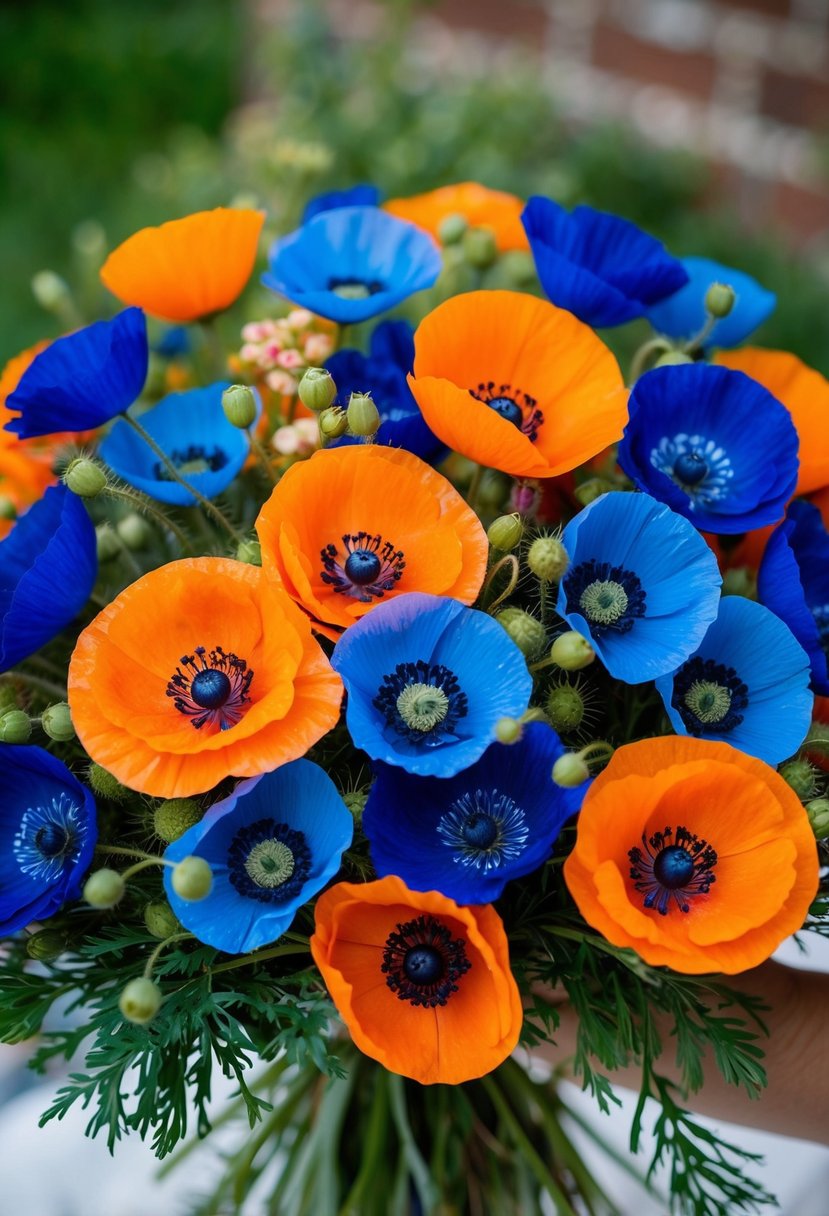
803	211
800	101
618	52
524	19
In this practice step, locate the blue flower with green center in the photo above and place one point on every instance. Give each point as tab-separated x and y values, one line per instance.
271	845
642	585
467	836
746	684
47	836
427	680
683	315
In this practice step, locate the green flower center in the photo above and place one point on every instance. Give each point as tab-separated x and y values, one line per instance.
604	602
708	701
269	863
422	706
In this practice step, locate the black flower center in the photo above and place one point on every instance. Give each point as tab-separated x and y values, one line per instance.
422	962
367	568
51	839
423	965
212	687
512	405
673	868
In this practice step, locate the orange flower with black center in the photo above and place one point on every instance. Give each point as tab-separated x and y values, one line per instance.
693	854
200	670
187	268
423	984
517	384
479	206
355	525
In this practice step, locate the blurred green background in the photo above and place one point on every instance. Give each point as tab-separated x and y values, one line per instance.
115	116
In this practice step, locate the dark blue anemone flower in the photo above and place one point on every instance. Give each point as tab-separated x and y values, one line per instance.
47	836
713	444
192	429
272	844
427	680
362	195
48	566
683	314
175	341
383	373
596	265
793	581
642	585
81	381
746	684
468	836
352	263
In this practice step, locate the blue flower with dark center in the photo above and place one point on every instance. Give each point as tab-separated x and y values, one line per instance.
596	265
672	868
271	845
47	836
747	684
370	568
81	381
683	315
467	836
427	680
213	688
793	581
362	195
422	962
352	263
192	430
713	444
642	585
48	567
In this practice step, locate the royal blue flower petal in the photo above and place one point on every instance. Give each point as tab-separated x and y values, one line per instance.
272	845
81	381
175	341
48	566
683	314
363	195
598	266
192	429
352	263
713	444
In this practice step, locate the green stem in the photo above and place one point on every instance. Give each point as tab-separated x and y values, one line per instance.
373	1146
699	340
143	865
123	852
510	562
263	458
419	1170
38	683
654	346
213	345
153	959
147	507
260	957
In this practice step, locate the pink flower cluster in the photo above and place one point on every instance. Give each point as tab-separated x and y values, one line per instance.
278	351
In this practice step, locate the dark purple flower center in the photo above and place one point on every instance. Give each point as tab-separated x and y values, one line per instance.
422	962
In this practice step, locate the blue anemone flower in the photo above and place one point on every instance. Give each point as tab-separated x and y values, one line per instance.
48	832
793	581
81	381
192	429
427	680
272	844
383	373
362	195
683	314
175	341
597	265
713	444
352	263
642	585
746	684
468	836
48	567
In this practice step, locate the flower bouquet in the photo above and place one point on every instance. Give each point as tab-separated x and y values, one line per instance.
375	684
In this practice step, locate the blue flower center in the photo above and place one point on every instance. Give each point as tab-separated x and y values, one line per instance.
423	963
423	702
485	829
672	868
610	598
362	566
698	465
355	289
690	468
505	407
480	830
50	839
192	460
709	696
366	568
211	688
512	405
268	861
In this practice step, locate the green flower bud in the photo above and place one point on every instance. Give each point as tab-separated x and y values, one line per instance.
250	551
673	358
493	490
800	775
140	1001
333	423
8	698
505	532
104	888
740	581
565	707
239	405
56	721
89	239
134	531
356	801
818	812
508	730
171	819
50	290
46	945
160	919
107	543
719	300
591	489
15	727
570	770
104	785
85	477
451	228
363	415
317	389
526	631
515	269
192	878
8	510
479	247
547	559
571	651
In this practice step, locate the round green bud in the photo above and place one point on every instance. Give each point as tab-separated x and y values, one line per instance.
740	581
479	247
104	888
8	510
85	477
526	631
46	945
517	269
134	531
565	707
56	721
719	300
317	389
800	775
356	801
505	532
250	551
508	730
160	919
107	543
547	559
451	228
104	785
818	812
333	422
15	727
571	651
673	358
50	290
171	819
192	878
363	415
239	405
570	770
591	489
140	1000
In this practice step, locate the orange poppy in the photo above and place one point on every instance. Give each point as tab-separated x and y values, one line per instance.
805	394
423	984
479	206
517	384
200	670
693	854
357	524
187	268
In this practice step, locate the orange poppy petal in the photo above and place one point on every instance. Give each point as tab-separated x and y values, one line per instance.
480	207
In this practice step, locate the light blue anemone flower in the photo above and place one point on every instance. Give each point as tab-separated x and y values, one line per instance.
683	314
